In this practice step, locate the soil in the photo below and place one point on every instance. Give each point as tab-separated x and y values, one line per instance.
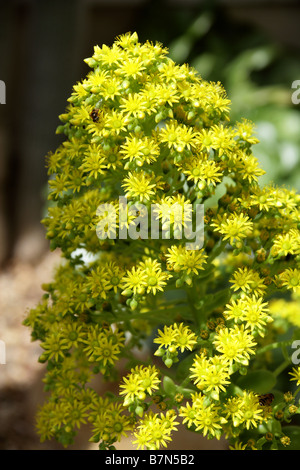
21	388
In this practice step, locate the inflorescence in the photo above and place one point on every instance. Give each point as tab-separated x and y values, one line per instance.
204	320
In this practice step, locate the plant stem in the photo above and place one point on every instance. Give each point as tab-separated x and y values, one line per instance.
281	368
277	345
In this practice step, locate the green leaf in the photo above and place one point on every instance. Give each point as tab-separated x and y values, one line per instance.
233	390
184	366
259	381
169	386
210	302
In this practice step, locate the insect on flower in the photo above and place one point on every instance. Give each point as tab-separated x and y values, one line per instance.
266	400
95	115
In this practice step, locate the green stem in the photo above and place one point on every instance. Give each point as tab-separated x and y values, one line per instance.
185	382
282	367
269	347
191	301
216	251
296	392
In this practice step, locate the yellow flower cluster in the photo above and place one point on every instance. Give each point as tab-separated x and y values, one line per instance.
141	381
140	132
172	339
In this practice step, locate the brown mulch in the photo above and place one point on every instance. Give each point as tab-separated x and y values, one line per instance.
21	388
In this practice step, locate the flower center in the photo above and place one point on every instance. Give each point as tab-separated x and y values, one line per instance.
152	281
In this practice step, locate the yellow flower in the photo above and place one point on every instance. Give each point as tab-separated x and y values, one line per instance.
115	122
205	418
210	374
132	67
56	344
109	421
96	80
249	281
205	139
66	383
248	167
134	105
263	198
222	139
166	337
93	162
132	388
149	376
80	116
135	280
186	339
188	261
155	278
242	279
141	186
238	446
244	410
155	430
244	131
255	314
176	336
160	95
233	227
202	170
174	211
209	421
235	344
117	423
287	243
189	412
114	274
179	137
141	381
75	413
111	88
287	309
97	283
295	375
104	346
58	185
172	72
127	41
74	334
108	55
54	161
44	420
140	149
133	148
79	92
251	415
106	221
290	278
106	352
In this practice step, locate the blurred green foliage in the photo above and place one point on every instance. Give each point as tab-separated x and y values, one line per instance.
257	75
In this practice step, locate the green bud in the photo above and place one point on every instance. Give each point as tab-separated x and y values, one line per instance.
43	358
133	304
139	410
159	352
168	362
179	282
127	292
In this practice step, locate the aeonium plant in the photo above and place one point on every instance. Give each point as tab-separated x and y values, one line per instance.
149	143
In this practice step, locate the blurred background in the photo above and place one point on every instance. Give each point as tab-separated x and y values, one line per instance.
251	46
